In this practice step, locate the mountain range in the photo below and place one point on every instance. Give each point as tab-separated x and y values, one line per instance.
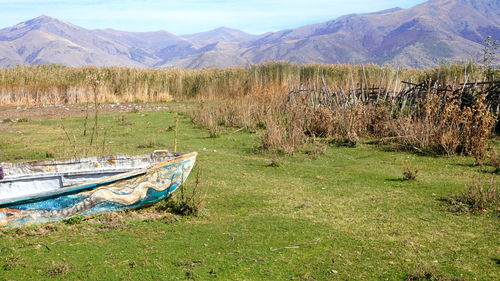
422	36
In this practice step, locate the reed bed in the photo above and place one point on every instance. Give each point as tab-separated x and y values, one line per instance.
439	112
55	84
421	109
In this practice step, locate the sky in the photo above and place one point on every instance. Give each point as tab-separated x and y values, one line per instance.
191	16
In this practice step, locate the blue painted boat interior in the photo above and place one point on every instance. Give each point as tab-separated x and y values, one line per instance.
28	181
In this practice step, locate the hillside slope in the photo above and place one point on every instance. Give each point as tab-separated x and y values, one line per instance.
422	36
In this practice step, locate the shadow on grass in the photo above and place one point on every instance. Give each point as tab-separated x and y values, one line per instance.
466	165
485	169
397	180
431	152
491	171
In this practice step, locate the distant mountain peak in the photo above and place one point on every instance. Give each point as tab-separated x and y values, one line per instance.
422	36
386	11
42	19
220	34
227	29
221	28
45	17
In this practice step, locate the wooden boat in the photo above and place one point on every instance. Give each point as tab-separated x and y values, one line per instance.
47	191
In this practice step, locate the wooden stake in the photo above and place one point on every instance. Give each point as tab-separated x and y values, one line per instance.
176	131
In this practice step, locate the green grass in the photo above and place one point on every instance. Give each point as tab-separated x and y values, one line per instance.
342	215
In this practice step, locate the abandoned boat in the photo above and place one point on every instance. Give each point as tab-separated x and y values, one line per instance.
47	191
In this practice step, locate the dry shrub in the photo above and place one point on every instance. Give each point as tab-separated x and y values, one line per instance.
295	125
427	119
409	172
288	126
109	218
350	124
379	120
152	214
465	130
274	136
57	269
443	125
317	149
121	219
430	275
494	158
264	109
11	262
478	198
37	230
285	128
249	111
321	122
439	125
151	143
208	117
108	221
185	203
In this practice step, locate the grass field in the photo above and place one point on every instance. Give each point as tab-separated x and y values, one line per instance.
342	215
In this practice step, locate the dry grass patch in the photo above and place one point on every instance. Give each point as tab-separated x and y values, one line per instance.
59	269
430	275
479	197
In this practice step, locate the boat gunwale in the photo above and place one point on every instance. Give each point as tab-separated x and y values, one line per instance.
65	174
76	160
90	185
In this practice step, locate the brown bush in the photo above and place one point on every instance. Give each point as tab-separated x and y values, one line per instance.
284	132
494	158
444	126
425	119
477	198
380	122
274	136
409	172
441	125
321	123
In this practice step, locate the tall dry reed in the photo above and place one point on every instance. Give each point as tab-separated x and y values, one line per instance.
428	117
54	84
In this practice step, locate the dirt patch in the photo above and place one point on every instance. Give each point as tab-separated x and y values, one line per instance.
14	114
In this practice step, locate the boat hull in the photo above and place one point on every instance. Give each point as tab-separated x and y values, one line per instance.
120	192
